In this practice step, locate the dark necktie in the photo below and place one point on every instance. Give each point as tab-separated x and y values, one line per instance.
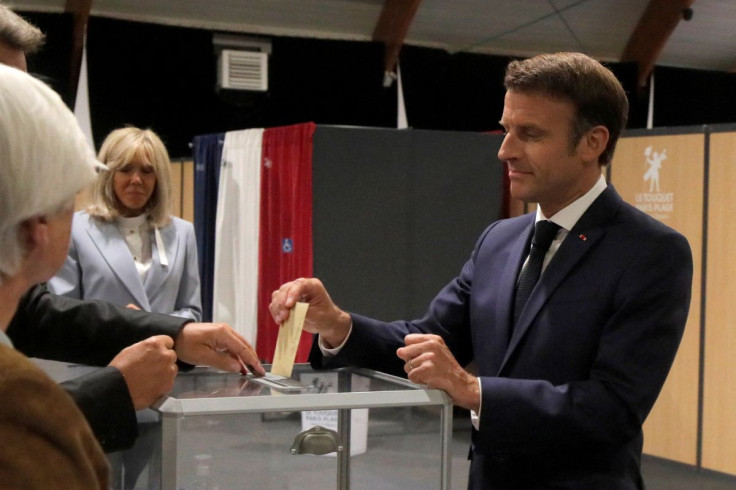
544	233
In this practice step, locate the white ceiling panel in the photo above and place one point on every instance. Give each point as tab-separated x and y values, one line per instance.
600	28
707	41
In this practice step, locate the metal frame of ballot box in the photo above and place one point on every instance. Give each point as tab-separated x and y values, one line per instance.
403	393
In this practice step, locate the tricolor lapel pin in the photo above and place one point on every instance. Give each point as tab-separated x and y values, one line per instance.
583	237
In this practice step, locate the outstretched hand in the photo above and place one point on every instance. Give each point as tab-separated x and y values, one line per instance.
217	345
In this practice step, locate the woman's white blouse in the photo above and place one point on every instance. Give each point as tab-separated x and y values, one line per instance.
137	234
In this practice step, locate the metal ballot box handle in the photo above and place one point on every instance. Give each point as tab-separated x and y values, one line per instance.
317	440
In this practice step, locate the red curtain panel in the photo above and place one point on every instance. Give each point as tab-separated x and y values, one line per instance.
285	242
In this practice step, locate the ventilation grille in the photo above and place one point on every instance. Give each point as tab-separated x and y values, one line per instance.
243	70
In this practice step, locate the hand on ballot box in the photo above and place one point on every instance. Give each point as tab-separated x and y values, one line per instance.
217	345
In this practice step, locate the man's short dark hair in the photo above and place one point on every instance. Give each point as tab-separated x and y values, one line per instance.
595	92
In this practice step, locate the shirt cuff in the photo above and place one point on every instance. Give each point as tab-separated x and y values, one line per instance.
332	352
475	417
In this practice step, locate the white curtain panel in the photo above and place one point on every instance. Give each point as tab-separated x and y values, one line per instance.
81	104
235	290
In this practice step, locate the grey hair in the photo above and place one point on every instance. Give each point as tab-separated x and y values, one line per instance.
45	159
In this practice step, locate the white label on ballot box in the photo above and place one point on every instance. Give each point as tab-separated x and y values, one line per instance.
327	383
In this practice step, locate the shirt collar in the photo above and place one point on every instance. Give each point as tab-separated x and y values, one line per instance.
132	223
569	215
4	339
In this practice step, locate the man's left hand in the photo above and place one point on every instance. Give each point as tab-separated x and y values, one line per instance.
430	362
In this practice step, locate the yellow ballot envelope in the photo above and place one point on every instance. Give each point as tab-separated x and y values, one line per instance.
287	342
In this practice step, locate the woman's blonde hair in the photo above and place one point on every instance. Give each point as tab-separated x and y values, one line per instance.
121	147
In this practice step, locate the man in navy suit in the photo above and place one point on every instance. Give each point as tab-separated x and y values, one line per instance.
559	395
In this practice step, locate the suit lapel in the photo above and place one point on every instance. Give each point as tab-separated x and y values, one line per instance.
158	273
114	250
587	231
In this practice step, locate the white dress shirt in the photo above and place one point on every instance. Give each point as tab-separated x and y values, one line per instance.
137	234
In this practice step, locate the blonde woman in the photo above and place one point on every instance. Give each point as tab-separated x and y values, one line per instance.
126	248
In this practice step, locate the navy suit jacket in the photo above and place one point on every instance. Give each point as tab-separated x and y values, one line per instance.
565	394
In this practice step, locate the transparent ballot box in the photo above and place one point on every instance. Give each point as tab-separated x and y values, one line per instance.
345	428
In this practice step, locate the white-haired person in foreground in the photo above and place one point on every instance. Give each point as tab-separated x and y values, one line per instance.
126	344
44	162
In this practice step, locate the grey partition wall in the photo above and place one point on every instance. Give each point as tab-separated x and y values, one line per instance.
396	213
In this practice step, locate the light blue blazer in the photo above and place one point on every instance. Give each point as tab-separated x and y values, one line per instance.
100	266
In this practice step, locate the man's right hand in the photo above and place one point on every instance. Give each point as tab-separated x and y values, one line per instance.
323	317
149	369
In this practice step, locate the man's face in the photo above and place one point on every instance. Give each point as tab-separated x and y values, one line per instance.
12	57
543	166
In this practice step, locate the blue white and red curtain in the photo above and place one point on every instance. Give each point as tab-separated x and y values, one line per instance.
263	234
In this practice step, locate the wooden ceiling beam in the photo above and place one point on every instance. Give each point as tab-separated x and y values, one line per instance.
650	36
80	9
392	26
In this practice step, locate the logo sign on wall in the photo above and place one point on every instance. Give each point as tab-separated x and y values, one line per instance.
655	200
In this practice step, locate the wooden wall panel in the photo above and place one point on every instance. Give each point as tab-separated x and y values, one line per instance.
719	406
671	431
176	189
187	191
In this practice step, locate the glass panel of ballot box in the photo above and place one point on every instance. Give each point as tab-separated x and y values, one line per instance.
346	428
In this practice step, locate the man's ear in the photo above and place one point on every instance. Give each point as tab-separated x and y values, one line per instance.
34	233
594	143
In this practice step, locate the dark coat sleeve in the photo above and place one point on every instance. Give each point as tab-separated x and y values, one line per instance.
103	398
55	327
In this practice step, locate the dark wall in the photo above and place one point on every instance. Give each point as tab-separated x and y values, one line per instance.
397	213
165	77
464	91
52	63
691	97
